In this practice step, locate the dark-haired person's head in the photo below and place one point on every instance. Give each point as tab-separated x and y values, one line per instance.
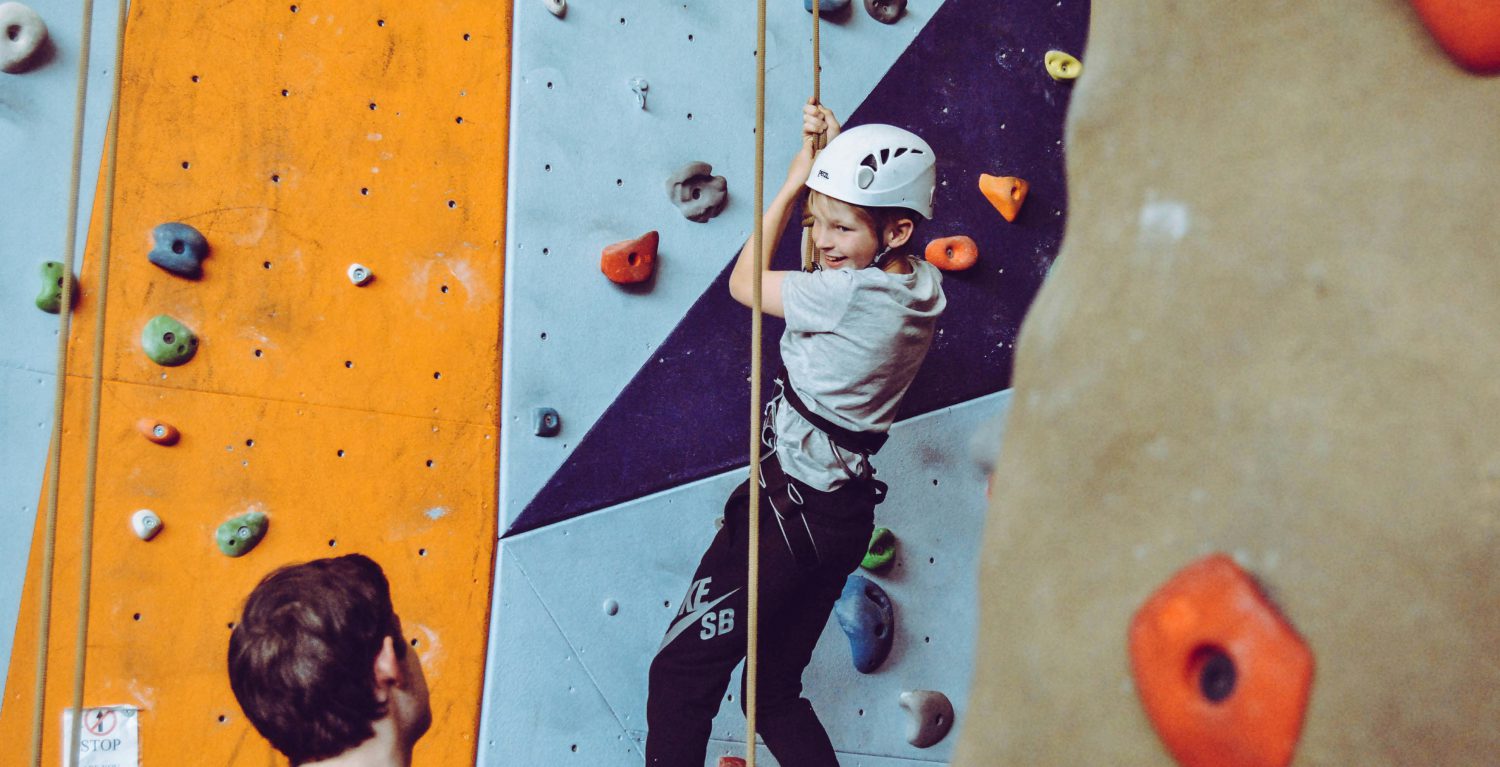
318	664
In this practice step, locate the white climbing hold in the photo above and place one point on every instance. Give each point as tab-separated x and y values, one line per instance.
929	717
639	86
146	524
558	7
22	33
360	275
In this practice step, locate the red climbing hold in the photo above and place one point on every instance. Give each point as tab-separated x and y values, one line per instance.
1222	676
952	254
630	261
158	432
1006	193
731	761
1469	30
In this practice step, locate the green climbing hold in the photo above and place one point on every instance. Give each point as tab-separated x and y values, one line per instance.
168	342
50	299
882	549
238	535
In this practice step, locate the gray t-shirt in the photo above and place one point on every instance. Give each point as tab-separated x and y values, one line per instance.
853	342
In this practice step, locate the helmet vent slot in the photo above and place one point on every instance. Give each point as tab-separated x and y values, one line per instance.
885	156
899	151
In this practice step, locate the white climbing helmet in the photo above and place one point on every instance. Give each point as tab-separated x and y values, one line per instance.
877	166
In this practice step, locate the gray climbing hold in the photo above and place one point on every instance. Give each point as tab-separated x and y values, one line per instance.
697	192
559	8
238	535
826	6
146	524
868	618
168	342
640	87
50	299
611	607
22	34
929	717
180	249
545	422
886	11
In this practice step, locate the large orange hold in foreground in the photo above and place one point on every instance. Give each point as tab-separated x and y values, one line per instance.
630	261
1469	30
1006	193
1222	676
952	254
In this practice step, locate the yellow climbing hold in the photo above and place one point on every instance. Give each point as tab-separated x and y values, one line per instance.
1063	66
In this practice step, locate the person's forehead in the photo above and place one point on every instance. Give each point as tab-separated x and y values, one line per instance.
830	208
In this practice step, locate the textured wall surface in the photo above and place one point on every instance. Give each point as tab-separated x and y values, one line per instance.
36	128
1270	334
298	138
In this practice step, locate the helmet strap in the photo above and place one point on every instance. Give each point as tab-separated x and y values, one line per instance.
881	258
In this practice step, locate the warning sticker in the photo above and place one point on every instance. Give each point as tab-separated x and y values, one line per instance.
110	737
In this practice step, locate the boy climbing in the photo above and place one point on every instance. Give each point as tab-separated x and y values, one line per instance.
856	333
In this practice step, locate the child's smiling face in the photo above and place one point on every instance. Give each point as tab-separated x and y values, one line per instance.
843	234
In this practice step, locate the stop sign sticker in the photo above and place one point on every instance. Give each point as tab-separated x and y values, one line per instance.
108	736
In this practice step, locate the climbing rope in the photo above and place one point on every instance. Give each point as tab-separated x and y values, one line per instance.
752	625
753	591
54	456
809	253
91	470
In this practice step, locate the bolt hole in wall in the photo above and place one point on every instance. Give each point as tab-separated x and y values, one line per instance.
333	542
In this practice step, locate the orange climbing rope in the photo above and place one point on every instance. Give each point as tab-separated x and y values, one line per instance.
54	456
91	468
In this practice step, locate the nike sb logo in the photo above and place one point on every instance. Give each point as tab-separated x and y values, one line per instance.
695	610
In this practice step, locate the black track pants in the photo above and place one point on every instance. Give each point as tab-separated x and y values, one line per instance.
805	556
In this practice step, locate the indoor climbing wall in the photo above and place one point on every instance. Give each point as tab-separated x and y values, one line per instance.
331	376
38	95
1248	508
624	403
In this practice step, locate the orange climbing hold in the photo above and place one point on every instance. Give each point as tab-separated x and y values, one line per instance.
952	254
158	432
1469	30
1006	193
630	261
1221	674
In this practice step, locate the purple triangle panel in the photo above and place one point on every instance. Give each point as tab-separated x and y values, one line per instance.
973	85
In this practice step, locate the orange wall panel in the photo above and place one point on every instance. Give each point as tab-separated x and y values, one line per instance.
269	402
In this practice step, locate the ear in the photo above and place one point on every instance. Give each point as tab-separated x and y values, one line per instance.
387	670
898	232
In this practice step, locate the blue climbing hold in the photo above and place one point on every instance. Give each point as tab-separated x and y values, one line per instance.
868	618
826	6
180	249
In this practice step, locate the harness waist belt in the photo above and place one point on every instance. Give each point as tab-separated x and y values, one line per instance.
863	442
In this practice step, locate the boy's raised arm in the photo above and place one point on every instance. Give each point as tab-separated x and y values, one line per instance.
816	120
